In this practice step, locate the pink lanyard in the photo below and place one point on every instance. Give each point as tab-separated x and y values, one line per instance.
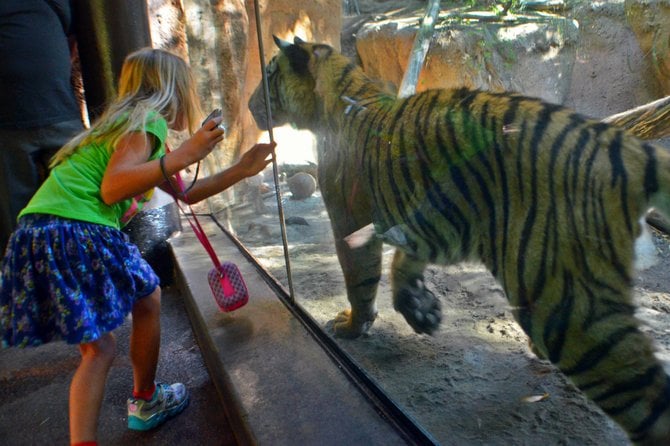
197	228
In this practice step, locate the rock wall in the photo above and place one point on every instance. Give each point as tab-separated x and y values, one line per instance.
585	56
610	74
650	20
534	58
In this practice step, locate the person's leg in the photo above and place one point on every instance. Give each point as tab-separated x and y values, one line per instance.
88	387
51	138
147	409
24	165
145	340
18	178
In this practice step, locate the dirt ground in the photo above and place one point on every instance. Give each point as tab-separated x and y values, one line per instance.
474	382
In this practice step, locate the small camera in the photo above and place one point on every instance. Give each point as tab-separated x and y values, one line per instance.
215	114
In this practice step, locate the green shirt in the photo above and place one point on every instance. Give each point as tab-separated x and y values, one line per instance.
72	189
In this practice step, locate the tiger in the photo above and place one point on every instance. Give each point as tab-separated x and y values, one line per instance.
548	200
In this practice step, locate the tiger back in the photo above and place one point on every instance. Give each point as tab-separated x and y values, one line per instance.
548	200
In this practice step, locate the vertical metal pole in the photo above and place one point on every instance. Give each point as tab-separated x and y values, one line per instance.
275	170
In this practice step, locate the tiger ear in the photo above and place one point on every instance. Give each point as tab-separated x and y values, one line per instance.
321	51
297	40
281	44
297	56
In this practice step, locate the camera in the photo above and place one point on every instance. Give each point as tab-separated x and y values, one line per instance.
215	114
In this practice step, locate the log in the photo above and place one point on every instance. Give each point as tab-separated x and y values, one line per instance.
649	121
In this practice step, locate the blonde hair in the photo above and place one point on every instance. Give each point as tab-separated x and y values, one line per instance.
151	81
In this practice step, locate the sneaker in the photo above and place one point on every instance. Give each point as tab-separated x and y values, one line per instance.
168	401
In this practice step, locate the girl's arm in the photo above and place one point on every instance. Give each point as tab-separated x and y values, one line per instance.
251	163
129	174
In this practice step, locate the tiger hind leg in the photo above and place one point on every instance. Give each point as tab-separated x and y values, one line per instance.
421	309
592	335
628	383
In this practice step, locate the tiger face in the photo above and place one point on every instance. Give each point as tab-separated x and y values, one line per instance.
286	74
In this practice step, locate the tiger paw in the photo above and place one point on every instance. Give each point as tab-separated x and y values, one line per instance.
345	326
421	309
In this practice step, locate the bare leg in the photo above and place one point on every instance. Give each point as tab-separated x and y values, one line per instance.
145	340
88	387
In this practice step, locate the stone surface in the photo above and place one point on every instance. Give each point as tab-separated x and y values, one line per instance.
650	20
588	57
534	57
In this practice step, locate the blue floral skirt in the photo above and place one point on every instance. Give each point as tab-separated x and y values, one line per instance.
69	280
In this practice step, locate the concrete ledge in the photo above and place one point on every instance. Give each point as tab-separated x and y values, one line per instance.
277	383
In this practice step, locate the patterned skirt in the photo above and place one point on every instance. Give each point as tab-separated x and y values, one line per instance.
69	280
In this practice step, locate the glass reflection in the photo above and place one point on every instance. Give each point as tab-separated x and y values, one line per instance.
474	381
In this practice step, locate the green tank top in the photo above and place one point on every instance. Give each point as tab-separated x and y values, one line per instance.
72	189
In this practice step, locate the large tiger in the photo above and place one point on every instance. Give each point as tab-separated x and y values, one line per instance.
548	200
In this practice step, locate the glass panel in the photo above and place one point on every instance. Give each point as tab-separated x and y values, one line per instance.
255	220
474	380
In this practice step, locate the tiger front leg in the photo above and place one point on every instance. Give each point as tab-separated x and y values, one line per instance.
362	270
421	309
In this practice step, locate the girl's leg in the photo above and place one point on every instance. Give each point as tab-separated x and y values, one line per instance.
88	387
145	340
152	403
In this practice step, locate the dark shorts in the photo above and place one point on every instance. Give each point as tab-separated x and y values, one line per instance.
67	279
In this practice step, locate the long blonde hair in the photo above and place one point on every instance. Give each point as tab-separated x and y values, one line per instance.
152	81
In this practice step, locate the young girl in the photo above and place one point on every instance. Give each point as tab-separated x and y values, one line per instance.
70	273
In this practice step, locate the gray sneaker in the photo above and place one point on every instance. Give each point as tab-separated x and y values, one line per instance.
168	401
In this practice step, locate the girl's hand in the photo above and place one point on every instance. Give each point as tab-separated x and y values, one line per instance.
256	159
203	141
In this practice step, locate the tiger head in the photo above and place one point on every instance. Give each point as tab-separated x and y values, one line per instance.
292	86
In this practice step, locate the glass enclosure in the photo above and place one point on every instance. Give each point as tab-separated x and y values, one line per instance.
474	380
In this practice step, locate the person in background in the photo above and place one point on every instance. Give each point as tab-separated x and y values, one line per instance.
70	273
38	107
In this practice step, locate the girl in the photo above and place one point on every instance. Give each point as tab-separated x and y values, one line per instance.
70	273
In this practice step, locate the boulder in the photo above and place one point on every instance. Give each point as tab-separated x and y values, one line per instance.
302	185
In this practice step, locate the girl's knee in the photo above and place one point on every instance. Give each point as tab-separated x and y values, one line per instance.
148	305
103	349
